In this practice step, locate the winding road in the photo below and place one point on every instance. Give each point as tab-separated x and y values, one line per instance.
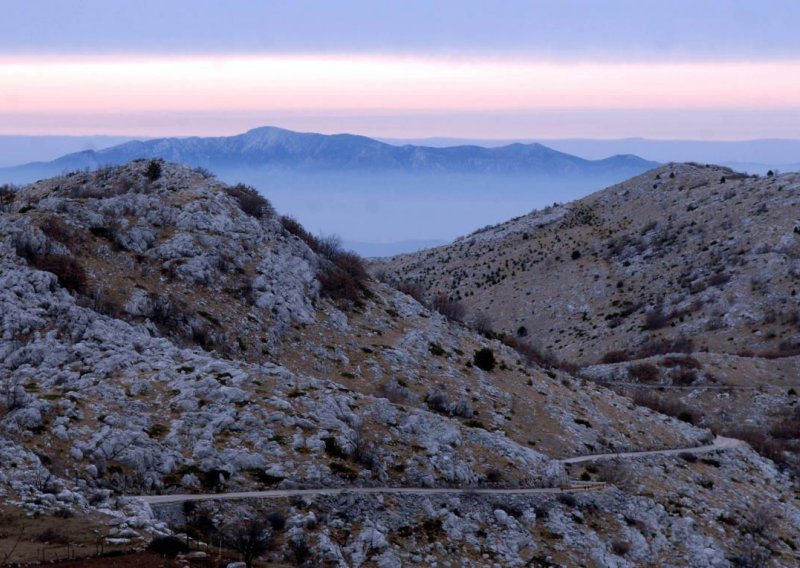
719	443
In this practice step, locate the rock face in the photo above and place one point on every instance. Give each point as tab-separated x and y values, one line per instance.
162	332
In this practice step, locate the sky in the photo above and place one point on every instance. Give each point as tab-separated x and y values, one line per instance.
715	69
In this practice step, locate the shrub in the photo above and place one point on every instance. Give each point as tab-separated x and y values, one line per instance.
413	289
615	472
342	274
451	309
494	475
7	193
392	391
249	538
484	359
58	231
482	323
276	520
615	356
169	546
344	278
682	361
293	226
438	401
670	407
567	499
621	547
663	346
153	171
644	372
656	319
52	536
684	377
250	201
69	271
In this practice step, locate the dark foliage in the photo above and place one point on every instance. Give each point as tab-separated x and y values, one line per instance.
484	359
276	520
342	275
451	309
413	289
250	538
438	401
250	201
644	372
68	270
59	231
153	171
169	546
344	278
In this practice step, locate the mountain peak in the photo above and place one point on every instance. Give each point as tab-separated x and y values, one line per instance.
273	147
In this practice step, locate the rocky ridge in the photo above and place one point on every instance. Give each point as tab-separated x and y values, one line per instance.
158	337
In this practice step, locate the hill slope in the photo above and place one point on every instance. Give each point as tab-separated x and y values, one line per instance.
163	332
683	251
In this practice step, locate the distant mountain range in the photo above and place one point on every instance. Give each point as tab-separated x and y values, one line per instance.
753	156
21	149
271	148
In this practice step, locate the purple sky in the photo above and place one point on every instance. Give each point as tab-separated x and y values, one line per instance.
567	68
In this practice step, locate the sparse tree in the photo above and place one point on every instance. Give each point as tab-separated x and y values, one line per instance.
250	538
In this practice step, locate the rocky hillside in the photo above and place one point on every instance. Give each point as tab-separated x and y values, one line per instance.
161	332
682	254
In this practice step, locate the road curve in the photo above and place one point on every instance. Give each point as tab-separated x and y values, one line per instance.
719	443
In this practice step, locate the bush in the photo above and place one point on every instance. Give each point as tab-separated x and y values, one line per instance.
615	356
670	407
52	536
621	547
656	319
449	308
58	231
250	201
392	391
438	401
684	377
277	520
644	372
153	171
7	193
169	546
249	538
413	289
293	227
344	278
494	475
663	346
342	275
482	323
681	361
484	359
69	271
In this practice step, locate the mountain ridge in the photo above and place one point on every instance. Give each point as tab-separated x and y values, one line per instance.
277	148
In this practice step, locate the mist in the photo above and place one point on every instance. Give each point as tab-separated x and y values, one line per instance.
378	214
